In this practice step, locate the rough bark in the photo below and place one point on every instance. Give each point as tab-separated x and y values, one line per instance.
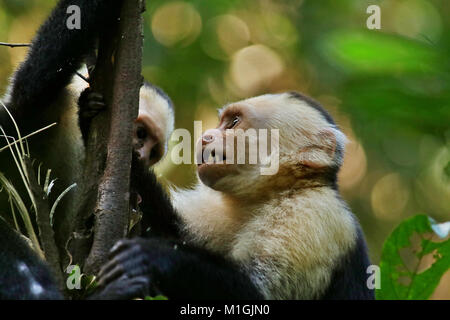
101	80
112	206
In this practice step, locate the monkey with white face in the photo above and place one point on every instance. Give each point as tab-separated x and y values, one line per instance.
240	234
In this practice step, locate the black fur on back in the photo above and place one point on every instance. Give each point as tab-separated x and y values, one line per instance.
349	279
14	283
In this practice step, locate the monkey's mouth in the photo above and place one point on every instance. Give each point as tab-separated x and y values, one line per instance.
135	200
213	158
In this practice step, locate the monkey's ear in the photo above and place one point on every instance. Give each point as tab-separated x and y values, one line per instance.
321	153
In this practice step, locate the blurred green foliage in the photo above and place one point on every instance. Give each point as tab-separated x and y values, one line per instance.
388	89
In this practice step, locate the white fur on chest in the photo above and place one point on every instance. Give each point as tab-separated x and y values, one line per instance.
288	247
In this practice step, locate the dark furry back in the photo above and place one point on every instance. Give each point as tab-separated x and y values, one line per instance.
16	283
349	280
55	54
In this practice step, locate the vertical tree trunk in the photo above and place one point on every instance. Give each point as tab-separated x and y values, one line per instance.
118	76
112	209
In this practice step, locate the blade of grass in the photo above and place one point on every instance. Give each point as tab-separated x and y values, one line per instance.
15	125
22	170
13	212
28	135
47	181
52	211
23	212
39	174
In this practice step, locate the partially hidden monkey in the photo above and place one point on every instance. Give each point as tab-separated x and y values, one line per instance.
45	89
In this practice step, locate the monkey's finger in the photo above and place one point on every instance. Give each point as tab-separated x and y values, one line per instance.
96	105
124	288
95	96
138	287
131	269
119	262
107	268
120	246
129	254
136	266
110	276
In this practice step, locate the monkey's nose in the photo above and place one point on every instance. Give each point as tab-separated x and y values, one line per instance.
207	138
146	145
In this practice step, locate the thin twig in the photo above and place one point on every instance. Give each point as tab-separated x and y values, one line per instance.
14	45
83	77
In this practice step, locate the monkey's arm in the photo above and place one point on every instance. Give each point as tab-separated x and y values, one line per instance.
175	270
55	54
159	216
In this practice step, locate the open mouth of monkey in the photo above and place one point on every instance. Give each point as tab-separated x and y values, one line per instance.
214	158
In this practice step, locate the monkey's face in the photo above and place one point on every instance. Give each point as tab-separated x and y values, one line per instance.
229	153
147	140
232	159
152	126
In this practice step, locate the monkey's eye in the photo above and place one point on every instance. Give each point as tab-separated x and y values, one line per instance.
141	133
234	122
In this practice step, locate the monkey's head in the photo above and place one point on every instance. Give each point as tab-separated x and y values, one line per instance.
309	149
152	129
153	125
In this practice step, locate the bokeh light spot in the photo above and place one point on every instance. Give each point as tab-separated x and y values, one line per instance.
232	33
354	167
389	197
254	67
176	23
417	18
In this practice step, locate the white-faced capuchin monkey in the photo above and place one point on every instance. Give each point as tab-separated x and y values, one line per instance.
242	235
44	89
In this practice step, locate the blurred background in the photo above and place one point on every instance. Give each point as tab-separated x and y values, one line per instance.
388	89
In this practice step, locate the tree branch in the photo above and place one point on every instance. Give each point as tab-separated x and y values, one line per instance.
101	80
112	207
14	45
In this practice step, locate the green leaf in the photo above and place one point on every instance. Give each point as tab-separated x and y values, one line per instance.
376	52
400	275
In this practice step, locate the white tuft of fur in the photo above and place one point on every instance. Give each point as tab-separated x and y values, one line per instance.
156	108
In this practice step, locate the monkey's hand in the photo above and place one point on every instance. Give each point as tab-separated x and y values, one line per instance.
90	104
139	261
176	270
123	288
